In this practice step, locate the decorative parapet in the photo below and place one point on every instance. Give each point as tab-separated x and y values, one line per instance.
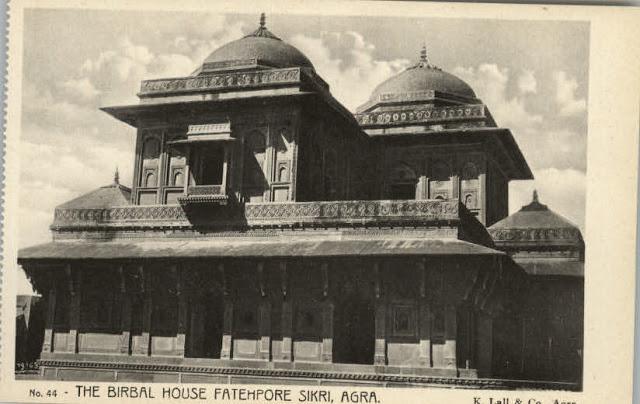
536	236
228	81
422	115
289	214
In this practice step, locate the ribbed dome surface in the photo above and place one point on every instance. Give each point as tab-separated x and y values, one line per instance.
261	45
423	78
272	52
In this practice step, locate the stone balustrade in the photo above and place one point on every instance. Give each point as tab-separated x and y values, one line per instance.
294	214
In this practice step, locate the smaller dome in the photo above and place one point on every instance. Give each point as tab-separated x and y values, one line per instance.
423	77
536	224
263	46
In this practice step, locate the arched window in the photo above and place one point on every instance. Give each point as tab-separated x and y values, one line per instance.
469	171
440	171
469	201
178	179
283	175
150	158
254	178
402	182
150	179
177	162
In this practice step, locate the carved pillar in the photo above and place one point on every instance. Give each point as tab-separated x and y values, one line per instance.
380	355
187	169
74	277
327	317
144	345
227	320
455	185
450	335
424	317
47	345
482	217
287	315
181	274
125	313
422	189
484	345
264	316
225	167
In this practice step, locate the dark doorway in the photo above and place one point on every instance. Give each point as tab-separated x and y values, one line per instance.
204	336
354	331
209	165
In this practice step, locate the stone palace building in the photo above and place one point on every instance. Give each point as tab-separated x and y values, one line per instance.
272	236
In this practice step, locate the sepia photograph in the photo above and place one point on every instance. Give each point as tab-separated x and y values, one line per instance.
260	197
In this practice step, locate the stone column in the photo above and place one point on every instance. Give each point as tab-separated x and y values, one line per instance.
187	169
482	217
286	322
264	316
144	345
225	167
227	320
125	313
422	191
181	274
74	276
264	328
327	317
450	335
485	345
455	185
424	317
47	345
380	355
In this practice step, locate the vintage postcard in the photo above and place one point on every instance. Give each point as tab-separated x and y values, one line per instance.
319	202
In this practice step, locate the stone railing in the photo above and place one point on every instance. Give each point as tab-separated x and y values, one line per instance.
205	190
421	115
288	214
222	81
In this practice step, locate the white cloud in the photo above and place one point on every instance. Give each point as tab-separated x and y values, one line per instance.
564	191
490	82
566	99
81	89
346	61
527	82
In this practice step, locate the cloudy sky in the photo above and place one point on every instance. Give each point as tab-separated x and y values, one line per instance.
532	75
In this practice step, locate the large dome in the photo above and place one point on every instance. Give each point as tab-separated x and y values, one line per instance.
423	77
263	46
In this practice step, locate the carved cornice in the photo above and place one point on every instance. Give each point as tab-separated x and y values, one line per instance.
217	82
290	214
315	374
421	115
535	235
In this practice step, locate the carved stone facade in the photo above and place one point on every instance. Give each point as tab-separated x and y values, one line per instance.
267	227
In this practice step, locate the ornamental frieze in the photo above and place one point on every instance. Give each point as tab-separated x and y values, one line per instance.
220	81
421	115
259	214
524	235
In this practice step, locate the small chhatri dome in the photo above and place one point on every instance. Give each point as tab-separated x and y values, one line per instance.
424	76
261	47
538	221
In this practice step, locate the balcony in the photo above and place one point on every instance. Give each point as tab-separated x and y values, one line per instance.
204	194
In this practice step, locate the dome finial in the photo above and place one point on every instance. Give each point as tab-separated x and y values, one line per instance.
263	20
116	177
535	195
423	53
